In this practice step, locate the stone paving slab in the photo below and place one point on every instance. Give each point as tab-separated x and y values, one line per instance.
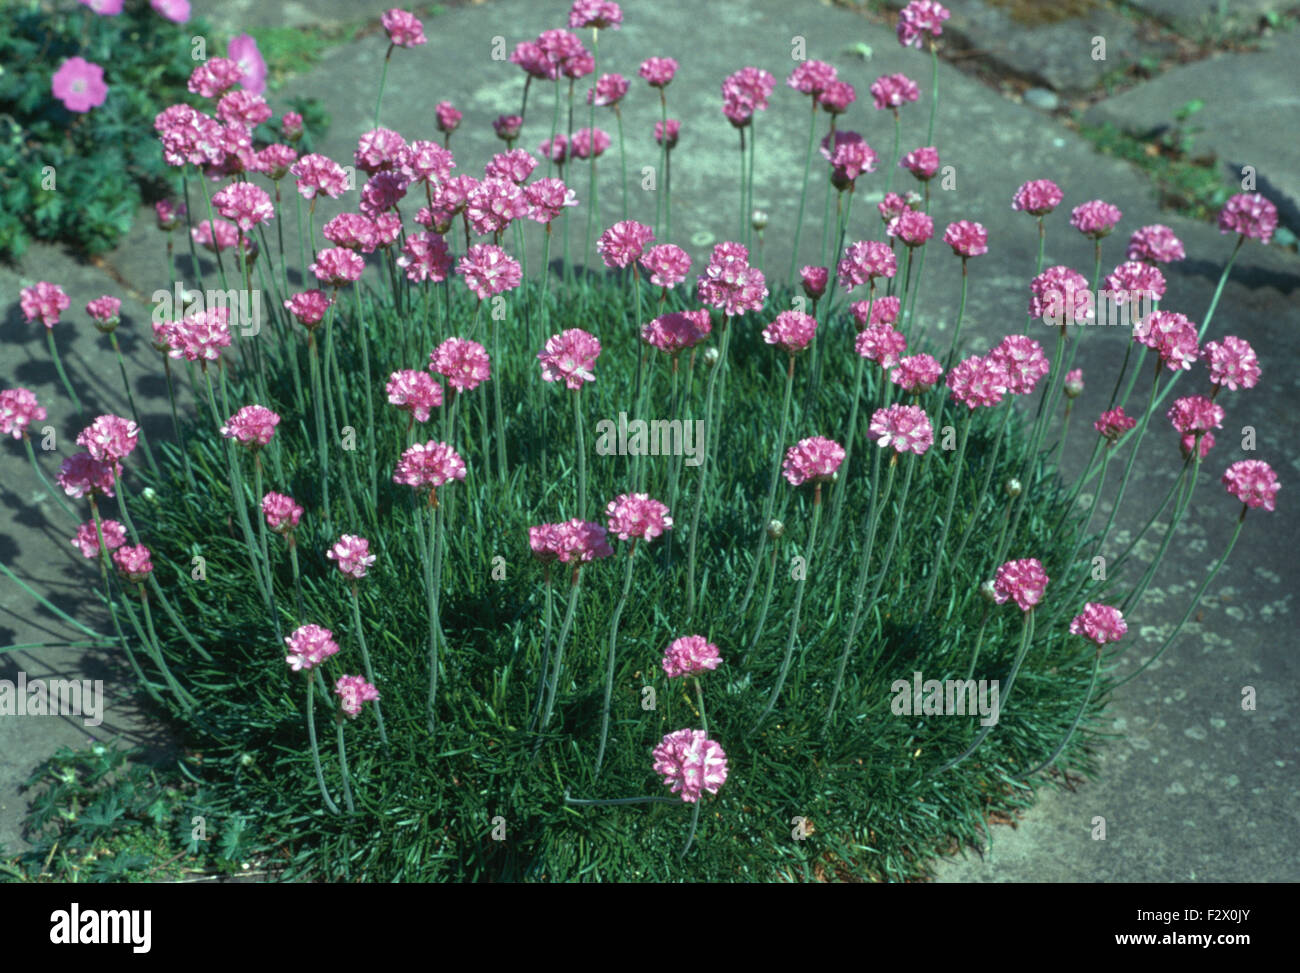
1189	13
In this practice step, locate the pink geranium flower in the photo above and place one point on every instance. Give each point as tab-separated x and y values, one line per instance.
905	428
380	150
352	556
18	410
690	655
637	515
464	363
1099	623
690	764
837	97
1022	581
309	646
252	426
815	458
79	84
415	391
447	117
1253	482
745	92
570	357
87	538
242	49
792	331
177	11
337	267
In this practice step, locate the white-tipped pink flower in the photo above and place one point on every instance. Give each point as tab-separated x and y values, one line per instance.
667	263
690	655
792	331
109	438
1099	623
905	428
1022	581
18	410
252	426
87	538
133	562
637	515
309	646
690	764
813	459
569	357
352	691
282	513
463	363
1232	363
414	391
1253	482
429	466
352	555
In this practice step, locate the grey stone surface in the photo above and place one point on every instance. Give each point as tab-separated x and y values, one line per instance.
1247	99
1042	98
1188	13
240	15
1193	789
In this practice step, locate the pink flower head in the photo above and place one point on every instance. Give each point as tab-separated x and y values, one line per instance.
427	162
623	243
730	283
916	373
43	302
177	11
352	231
1094	219
978	381
291	126
133	562
589	143
893	205
109	438
1155	244
922	163
674	129
566	50
243	108
597	14
1023	361
429	465
1038	197
582	541
690	764
189	136
1099	623
690	655
214	77
546	541
894	91
216	235
1249	214
488	270
815	459
548	198
850	156
881	343
463	363
309	646
1073	386
168	214
1059	296
556	149
864	261
352	555
911	226
380	150
1021	581
447	117
404	28
882	310
425	257
570	357
382	191
105	8
534	61
921	17
282	512
243	51
201	336
251	426
81	474
1134	280
1114	423
508	127
966	238
18	410
837	97
1172	336
515	165
246	204
79	84
811	77
658	71
904	427
1253	482
814	281
415	391
87	538
1232	362
791	331
1201	442
637	515
667	263
337	267
309	307
1195	414
493	203
275	160
678	330
316	173
745	92
609	90
352	691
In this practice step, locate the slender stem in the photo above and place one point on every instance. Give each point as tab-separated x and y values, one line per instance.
954	479
803	192
365	659
613	648
704	470
343	765
383	80
565	629
1074	725
315	749
63	376
56	494
773	478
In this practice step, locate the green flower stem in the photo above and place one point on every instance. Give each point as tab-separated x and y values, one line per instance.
383	80
188	702
979	642
63	376
365	659
610	656
702	484
842	212
318	400
961	316
1175	488
297	575
984	487
770	501
622	156
593	210
1074	725
934	93
1128	469
548	610
56	494
893	155
581	440
764	606
176	424
433	583
498	411
673	465
370	402
315	750
826	205
563	639
1180	509
803	192
135	413
343	763
954	478
49	605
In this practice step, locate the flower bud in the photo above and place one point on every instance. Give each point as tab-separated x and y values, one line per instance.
149	494
1013	488
1074	383
759	219
775	529
711	356
988	592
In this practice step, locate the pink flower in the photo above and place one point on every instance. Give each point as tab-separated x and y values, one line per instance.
609	90
515	165
1232	362
894	91
463	363
275	160
1202	442
81	473
904	427
189	136
380	150
837	97
1073	386
1133	280
87	539
309	646
864	261
105	8
214	77
922	163
811	77
337	267
201	336
352	691
582	541
1155	244
678	330
508	127
318	174
429	163
1059	296
690	655
281	512
1172	336
168	214
1249	214
730	283
546	541
637	515
216	235
745	92
920	17
447	116
600	14
1253	482
883	310
556	149
488	270
570	357
978	381
43	301
815	459
414	391
351	230
894	205
309	307
177	11
1022	581
1114	423
425	257
133	562
548	198
429	465
588	143
243	108
1023	361
382	191
658	71
109	438
967	239
881	343
849	156
1195	414
668	264
916	374
404	28
79	84
674	129
914	228
534	61
690	764
566	50
1099	623
246	204
291	126
623	243
814	281
252	426
791	331
18	410
243	51
1038	197
352	554
1094	219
